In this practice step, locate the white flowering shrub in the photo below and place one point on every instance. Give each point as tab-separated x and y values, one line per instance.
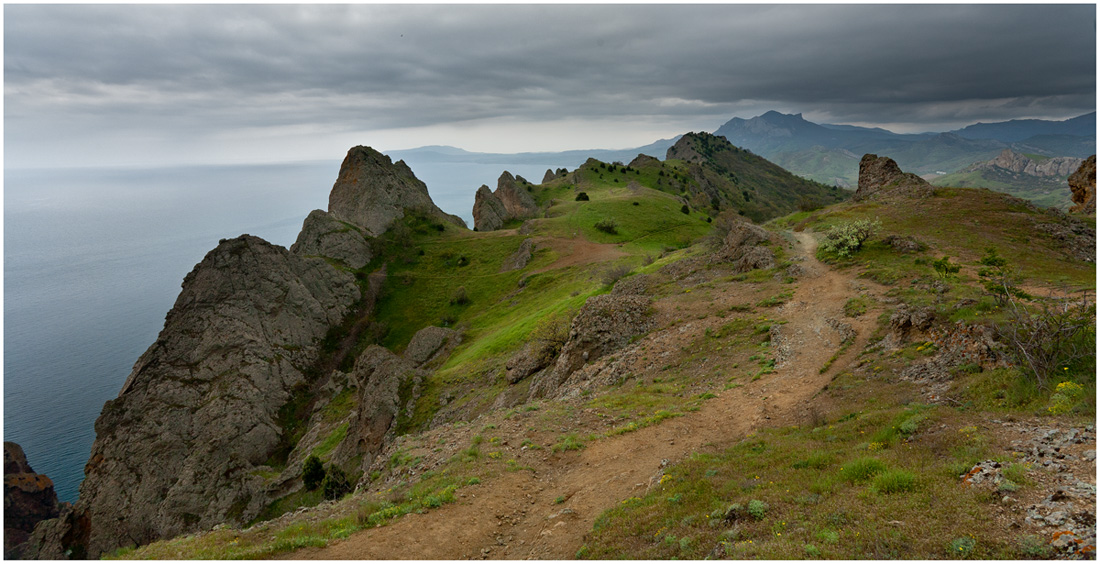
847	238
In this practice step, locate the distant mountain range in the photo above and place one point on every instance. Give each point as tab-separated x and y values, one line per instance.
831	153
826	153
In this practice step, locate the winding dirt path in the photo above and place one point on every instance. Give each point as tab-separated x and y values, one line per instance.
514	515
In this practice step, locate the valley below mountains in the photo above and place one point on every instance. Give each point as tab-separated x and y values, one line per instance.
700	356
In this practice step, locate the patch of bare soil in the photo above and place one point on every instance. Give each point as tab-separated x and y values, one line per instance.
577	251
518	515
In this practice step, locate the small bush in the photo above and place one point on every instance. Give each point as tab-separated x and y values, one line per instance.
568	442
845	239
336	483
460	297
609	226
961	547
613	274
582	197
312	473
757	509
944	268
1049	339
684	209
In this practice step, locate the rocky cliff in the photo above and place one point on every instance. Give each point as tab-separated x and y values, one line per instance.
29	497
371	192
217	416
1083	185
880	177
1057	167
511	200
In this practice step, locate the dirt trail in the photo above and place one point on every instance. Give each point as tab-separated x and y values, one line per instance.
514	515
577	251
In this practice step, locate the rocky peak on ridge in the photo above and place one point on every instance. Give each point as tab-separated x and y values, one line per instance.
372	192
880	177
511	200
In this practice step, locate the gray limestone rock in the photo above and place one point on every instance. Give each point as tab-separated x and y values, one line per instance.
880	177
605	323
489	212
174	452
324	235
430	342
372	192
520	258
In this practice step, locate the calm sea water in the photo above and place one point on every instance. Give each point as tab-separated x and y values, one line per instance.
93	260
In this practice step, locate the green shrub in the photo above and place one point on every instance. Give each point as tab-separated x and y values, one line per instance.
999	279
312	472
757	509
961	547
845	239
609	226
684	209
460	297
582	197
944	267
336	483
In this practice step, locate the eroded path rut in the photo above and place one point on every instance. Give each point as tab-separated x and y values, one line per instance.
514	515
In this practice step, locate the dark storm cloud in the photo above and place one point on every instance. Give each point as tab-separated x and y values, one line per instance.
211	68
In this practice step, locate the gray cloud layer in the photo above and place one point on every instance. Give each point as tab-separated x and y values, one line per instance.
198	71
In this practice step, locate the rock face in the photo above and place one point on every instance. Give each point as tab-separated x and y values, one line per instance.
642	160
880	177
1057	167
520	258
511	196
489	212
324	235
430	343
744	246
1083	185
554	175
387	386
29	497
175	451
605	323
372	192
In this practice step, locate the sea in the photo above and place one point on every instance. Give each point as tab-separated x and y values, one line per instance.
94	258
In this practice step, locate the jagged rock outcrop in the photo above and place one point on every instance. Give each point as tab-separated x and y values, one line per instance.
745	245
552	175
685	149
906	321
387	386
489	212
372	192
606	323
1057	167
880	177
324	235
1083	185
520	258
430	343
175	452
510	200
29	497
642	160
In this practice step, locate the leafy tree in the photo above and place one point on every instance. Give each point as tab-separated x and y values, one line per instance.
999	279
312	472
336	483
944	267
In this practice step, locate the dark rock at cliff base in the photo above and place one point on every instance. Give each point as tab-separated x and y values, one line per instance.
29	497
175	452
880	177
324	235
372	192
606	323
1083	185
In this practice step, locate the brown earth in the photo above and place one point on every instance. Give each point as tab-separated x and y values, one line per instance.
517	515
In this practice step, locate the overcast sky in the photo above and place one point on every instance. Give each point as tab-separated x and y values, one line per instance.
130	85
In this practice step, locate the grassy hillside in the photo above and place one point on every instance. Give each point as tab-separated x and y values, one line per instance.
867	466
